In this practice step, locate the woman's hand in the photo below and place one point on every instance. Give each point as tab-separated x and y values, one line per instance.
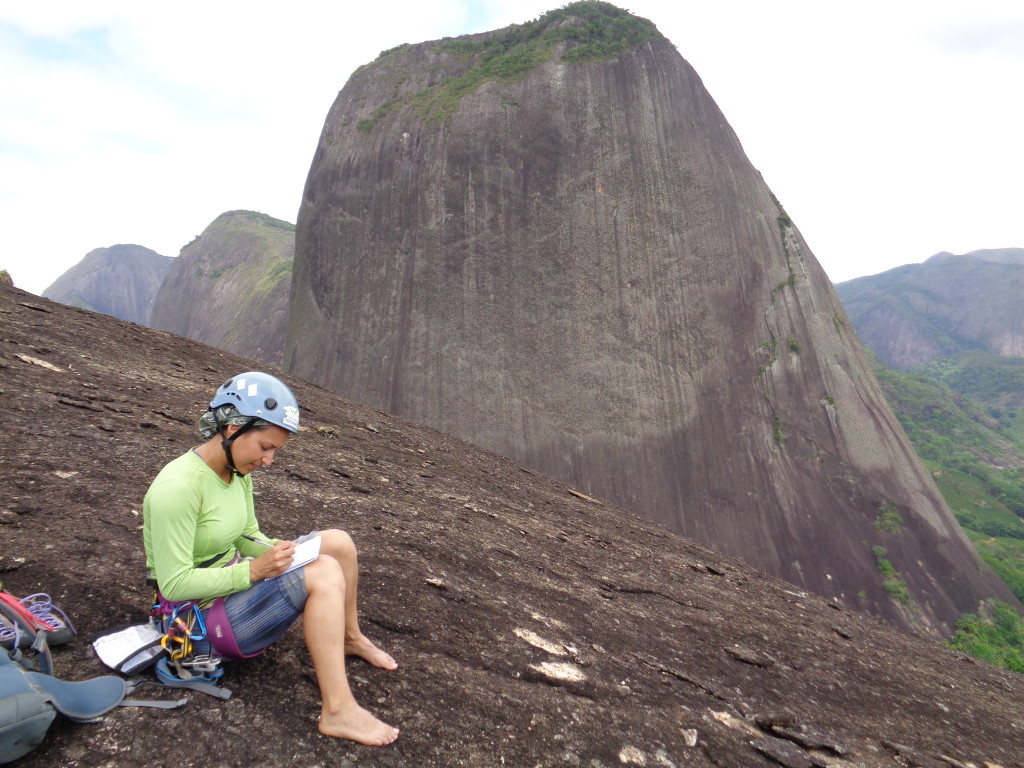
273	562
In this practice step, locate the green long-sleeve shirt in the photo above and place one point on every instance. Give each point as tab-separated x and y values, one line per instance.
189	516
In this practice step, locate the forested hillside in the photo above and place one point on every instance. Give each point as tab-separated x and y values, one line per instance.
965	418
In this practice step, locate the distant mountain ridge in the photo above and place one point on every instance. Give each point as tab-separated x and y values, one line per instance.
996	255
949	304
121	281
229	287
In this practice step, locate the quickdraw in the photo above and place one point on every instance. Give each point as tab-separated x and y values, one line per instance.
183	627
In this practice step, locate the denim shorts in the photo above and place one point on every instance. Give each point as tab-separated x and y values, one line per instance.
262	613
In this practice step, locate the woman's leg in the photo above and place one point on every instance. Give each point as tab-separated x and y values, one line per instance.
339	545
324	623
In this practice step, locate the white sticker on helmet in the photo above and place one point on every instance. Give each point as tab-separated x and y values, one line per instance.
252	390
291	416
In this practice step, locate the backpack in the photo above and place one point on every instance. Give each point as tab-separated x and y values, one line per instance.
29	701
30	697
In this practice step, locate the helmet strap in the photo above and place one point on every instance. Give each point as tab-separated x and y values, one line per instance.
227	441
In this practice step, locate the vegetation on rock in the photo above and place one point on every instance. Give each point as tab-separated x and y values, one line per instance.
889	519
895	586
241	265
592	30
263	218
996	635
597	31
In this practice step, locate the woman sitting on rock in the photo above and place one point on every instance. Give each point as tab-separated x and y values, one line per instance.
203	541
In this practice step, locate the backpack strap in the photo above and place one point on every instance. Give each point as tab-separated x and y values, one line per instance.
83	702
214	559
154	703
202	683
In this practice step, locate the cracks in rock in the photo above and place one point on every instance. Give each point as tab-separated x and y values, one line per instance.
748	656
638	590
173	417
785	726
790	246
295	475
710	688
394	627
791	250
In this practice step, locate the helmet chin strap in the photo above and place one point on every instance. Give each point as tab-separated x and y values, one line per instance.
227	441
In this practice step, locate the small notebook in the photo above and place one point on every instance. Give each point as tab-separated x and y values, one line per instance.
129	649
305	553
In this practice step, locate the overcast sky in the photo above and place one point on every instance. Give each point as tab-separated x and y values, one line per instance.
889	130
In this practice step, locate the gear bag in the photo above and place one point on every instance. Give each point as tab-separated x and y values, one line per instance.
29	701
30	697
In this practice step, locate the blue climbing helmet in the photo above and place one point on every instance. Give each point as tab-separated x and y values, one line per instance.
260	399
259	396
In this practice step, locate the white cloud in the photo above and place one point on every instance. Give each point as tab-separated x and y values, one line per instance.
888	130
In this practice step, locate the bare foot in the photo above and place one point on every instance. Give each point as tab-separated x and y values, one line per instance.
364	649
358	725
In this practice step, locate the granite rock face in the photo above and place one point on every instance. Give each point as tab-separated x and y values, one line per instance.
581	269
229	287
121	281
532	626
949	304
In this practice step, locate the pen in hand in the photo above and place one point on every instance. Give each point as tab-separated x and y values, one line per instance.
266	544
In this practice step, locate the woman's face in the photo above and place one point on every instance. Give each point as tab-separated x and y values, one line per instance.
256	447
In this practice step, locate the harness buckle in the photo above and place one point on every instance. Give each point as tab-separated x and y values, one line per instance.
205	663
